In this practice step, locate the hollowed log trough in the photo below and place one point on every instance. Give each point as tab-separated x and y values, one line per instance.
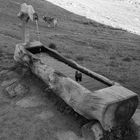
111	106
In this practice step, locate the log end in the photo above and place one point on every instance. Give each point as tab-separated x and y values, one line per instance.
119	113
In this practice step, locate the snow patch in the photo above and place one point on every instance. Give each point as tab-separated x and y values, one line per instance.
123	14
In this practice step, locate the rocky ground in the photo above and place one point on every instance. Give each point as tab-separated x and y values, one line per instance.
26	112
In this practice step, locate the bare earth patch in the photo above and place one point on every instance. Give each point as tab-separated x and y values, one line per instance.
69	135
45	115
32	101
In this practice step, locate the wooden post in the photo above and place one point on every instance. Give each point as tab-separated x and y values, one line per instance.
23	31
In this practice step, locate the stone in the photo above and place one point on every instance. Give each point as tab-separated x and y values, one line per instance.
92	131
10	90
21	89
16	89
8	82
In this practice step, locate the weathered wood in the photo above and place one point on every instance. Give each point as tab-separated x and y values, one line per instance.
72	63
75	65
111	106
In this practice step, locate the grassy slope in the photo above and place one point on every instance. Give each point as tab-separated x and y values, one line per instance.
111	52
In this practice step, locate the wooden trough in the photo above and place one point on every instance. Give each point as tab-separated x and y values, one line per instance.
111	106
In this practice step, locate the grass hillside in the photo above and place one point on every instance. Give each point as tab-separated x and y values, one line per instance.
106	50
111	52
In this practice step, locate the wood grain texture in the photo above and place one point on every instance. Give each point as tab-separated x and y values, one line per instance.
111	106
